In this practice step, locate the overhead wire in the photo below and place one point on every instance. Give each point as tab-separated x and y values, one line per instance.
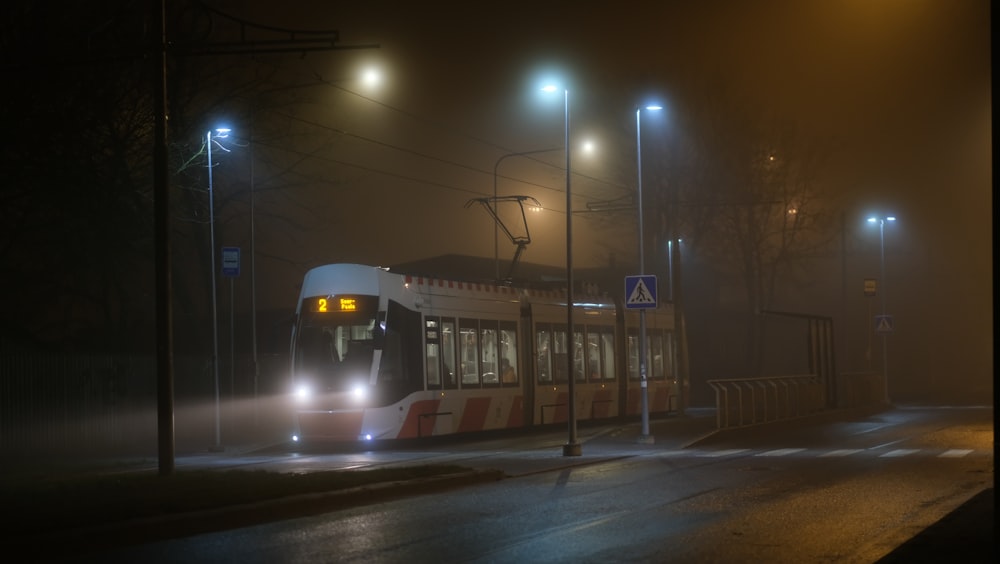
422	155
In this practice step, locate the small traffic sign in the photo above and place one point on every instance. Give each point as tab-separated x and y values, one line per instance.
870	286
640	291
231	262
883	324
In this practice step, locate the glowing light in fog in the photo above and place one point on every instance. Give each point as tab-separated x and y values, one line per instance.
358	392
303	393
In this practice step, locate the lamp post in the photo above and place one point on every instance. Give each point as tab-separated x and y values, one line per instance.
253	283
644	437
221	133
572	446
885	355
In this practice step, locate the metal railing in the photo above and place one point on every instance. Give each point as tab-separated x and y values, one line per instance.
741	402
750	401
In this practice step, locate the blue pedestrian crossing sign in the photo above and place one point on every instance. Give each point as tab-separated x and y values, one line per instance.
640	292
883	324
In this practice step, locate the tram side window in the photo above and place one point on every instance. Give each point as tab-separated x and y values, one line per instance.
432	335
508	353
448	352
656	355
488	347
468	333
608	350
543	358
560	351
593	354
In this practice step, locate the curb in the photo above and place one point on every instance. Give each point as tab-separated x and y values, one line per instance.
74	542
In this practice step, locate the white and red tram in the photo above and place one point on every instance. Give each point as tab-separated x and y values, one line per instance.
378	355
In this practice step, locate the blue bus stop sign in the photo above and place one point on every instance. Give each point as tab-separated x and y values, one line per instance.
230	262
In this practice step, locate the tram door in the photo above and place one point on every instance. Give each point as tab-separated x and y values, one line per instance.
526	359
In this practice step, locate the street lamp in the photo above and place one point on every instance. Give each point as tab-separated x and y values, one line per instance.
572	446
220	133
885	355
644	437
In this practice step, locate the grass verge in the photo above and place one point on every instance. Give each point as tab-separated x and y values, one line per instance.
52	504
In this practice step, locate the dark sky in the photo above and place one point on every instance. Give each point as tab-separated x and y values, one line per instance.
902	89
903	86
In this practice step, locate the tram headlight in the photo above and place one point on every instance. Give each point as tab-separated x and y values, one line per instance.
303	393
359	393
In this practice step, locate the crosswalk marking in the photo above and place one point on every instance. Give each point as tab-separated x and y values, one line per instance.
955	453
841	452
899	452
835	453
727	452
781	452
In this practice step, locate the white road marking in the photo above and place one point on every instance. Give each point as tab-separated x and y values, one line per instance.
899	452
955	453
726	452
781	452
841	452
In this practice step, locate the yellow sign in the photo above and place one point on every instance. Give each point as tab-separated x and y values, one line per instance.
870	286
344	303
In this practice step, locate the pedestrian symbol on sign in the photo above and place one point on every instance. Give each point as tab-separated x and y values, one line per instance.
883	324
640	292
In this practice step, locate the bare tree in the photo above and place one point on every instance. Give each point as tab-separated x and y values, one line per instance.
744	188
76	197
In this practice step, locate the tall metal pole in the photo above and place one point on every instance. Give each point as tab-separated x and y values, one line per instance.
496	228
253	280
885	354
670	270
161	205
572	446
677	291
644	436
215	323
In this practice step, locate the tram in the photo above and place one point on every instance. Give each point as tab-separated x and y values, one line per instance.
377	355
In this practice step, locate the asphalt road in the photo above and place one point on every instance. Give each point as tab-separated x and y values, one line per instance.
965	533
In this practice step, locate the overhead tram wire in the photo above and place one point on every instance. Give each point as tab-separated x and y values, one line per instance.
460	135
558	190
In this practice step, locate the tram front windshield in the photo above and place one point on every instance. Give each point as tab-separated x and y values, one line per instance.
335	342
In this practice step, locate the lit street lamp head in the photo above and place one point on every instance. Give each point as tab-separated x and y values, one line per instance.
876	219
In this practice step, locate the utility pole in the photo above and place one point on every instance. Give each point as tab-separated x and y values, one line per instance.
292	41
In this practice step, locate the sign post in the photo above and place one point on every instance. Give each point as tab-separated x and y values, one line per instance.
640	293
231	270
